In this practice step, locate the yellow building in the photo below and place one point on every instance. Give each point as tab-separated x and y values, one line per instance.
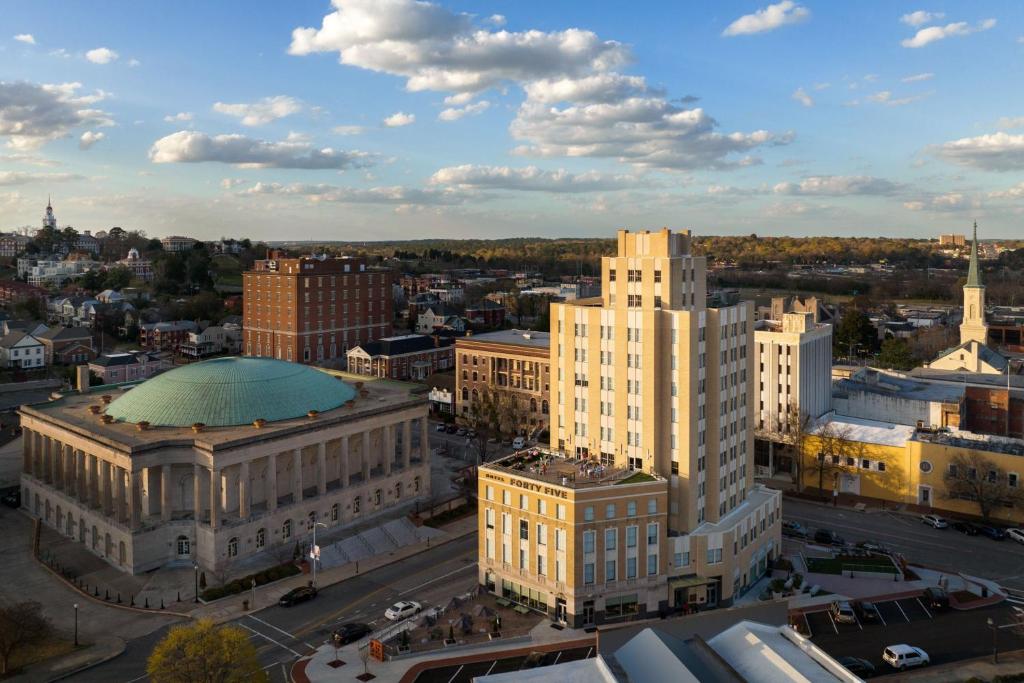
907	465
652	378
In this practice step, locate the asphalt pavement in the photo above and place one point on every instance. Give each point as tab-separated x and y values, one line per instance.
943	549
281	635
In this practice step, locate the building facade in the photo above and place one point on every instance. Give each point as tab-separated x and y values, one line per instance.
314	309
197	465
650	377
132	366
175	243
410	356
516	362
22	351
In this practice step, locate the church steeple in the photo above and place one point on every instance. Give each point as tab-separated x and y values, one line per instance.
973	277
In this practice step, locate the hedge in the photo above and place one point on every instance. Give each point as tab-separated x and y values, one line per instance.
245	583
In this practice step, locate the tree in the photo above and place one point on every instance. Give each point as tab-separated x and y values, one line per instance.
791	431
21	624
854	334
975	478
206	653
896	355
834	447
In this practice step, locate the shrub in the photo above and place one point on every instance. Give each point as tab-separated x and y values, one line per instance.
798	580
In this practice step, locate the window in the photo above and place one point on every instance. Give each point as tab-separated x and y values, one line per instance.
542	506
609	511
652	565
559	511
588	513
589	538
233	547
610	536
376	497
588	573
630	536
714	555
542	534
540	565
489	518
286	529
1013	480
609	570
506	498
560	537
355	505
489	493
652	534
926	466
652	503
630	567
524	502
524	530
631	508
334	512
881	466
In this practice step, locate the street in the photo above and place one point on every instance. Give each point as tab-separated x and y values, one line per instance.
1000	561
281	635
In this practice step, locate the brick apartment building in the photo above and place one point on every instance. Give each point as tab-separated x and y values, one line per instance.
166	336
14	290
312	309
994	411
515	361
410	356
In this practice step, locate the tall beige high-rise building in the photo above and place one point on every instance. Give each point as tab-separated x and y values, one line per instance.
648	376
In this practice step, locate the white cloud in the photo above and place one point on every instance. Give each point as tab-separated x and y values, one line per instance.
396	195
436	49
602	87
134	63
803	98
839	186
918	77
530	179
822	86
993	152
31	115
101	55
262	112
732	191
180	117
949	201
9	178
399	119
28	159
349	130
456	113
1011	122
934	33
885	97
921	17
26	38
1015	192
497	19
768	19
89	138
195	147
231	183
60	52
459	99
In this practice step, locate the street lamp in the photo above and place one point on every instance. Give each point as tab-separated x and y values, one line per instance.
76	624
314	552
195	568
995	632
821	472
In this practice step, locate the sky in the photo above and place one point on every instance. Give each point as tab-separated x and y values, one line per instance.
395	119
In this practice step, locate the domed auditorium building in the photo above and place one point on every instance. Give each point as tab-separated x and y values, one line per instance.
221	460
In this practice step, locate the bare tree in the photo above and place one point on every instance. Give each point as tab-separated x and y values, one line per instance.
496	414
834	447
975	478
790	432
21	624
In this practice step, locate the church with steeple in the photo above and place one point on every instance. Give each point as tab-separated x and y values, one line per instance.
49	220
973	353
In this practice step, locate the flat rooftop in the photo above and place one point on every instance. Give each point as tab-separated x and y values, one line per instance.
553	467
872	381
531	338
72	412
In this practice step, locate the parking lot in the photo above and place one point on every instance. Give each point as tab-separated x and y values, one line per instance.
947	636
464	673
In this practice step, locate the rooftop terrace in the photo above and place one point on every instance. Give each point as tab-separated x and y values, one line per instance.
553	467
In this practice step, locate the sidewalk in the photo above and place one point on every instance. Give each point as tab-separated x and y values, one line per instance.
104	649
981	669
230	608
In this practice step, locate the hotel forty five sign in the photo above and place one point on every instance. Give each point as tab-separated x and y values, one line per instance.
529	486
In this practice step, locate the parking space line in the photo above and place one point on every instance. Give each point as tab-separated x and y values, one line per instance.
589	650
880	617
807	622
897	603
857	619
455	675
493	664
923	607
557	657
833	622
268	638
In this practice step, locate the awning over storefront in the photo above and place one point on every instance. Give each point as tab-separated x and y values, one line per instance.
687	582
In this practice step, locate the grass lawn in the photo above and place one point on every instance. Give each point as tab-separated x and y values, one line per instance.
837	565
38	652
636	478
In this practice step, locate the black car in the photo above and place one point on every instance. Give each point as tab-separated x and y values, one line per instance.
347	633
828	537
935	597
794	529
297	595
12	499
452	429
965	528
866	612
993	532
858	666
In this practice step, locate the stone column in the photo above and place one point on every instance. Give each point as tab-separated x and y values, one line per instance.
406	443
81	478
297	475
321	468
165	493
424	441
271	482
26	451
133	499
51	462
215	498
365	455
388	436
243	490
120	507
197	492
105	480
69	470
343	462
92	480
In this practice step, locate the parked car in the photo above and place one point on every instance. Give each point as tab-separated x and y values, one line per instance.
12	499
518	442
1015	535
904	656
965	528
452	429
866	612
994	532
935	597
297	595
351	632
402	609
440	428
872	547
858	666
828	537
794	529
842	612
934	521
471	433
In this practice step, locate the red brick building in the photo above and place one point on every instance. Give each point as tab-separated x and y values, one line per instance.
13	290
486	314
313	309
67	345
994	411
165	336
410	356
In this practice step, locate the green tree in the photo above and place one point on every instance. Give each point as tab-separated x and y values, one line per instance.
896	355
855	333
205	653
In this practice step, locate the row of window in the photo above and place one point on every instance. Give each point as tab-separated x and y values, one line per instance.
611	569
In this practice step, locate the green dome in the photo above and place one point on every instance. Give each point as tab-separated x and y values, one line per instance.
230	391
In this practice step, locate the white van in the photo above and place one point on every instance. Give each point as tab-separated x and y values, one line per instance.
518	443
904	656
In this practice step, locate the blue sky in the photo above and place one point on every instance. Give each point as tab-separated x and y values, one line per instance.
380	119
